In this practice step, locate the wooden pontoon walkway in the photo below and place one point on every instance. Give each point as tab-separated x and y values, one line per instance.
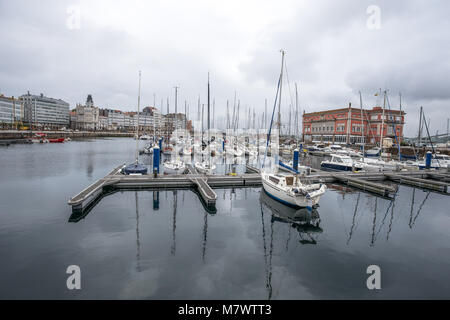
427	179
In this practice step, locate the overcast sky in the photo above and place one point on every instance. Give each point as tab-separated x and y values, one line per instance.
333	50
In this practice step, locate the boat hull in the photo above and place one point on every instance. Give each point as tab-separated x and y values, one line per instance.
286	199
336	167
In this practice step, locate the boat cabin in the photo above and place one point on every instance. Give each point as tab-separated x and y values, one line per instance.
341	159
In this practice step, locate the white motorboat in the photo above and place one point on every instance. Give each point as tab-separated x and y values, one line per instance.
174	166
375	152
442	158
438	162
205	167
149	149
340	163
187	150
145	137
373	164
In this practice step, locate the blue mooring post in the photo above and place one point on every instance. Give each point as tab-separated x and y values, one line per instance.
156	153
428	160
295	161
223	145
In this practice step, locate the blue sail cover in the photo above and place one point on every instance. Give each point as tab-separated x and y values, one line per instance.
135	169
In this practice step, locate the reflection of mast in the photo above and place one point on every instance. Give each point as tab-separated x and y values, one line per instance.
374	222
174	221
412	208
418	211
353	220
205	234
138	254
289	237
269	276
390	222
391	203
266	261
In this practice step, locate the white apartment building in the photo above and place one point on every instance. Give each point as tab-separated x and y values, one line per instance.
45	112
10	110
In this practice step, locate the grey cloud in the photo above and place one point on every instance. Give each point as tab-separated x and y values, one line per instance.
330	53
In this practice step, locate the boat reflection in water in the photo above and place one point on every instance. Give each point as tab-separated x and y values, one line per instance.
305	220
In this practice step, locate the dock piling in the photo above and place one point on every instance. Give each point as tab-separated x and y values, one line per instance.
156	155
295	160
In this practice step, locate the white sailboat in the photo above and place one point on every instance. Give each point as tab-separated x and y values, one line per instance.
288	188
175	165
206	166
136	168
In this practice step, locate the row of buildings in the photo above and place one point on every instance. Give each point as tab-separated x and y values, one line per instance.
353	125
343	125
37	110
44	113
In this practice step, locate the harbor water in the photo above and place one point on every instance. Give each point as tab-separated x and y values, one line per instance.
163	244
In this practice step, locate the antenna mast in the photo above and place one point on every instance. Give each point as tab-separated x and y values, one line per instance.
137	125
281	85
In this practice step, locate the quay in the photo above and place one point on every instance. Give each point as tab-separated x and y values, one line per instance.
22	136
204	184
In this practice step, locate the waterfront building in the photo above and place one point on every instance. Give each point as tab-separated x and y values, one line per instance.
115	119
73	119
102	123
45	112
87	115
176	120
344	125
10	111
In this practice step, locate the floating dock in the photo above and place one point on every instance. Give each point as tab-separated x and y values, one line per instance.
204	184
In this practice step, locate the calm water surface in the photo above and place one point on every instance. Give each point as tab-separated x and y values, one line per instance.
155	245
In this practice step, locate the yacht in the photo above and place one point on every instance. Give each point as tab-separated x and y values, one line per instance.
149	148
145	137
205	167
373	164
438	162
375	152
187	150
289	190
341	163
175	166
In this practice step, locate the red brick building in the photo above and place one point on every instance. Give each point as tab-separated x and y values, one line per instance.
345	125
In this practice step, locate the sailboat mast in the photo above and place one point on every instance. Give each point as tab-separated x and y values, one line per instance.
362	124
281	86
382	124
296	113
176	110
208	105
203	107
265	113
137	125
228	116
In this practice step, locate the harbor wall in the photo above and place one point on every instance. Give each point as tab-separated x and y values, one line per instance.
22	135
